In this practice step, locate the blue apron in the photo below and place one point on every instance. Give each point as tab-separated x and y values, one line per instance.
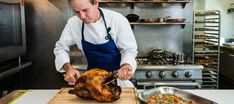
105	56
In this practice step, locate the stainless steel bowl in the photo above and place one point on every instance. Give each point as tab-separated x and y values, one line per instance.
171	90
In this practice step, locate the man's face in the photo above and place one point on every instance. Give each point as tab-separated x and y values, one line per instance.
85	10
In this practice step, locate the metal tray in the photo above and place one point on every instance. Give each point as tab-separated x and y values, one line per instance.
171	90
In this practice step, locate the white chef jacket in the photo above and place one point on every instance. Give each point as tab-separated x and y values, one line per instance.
95	33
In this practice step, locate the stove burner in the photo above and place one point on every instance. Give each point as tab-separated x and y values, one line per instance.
166	58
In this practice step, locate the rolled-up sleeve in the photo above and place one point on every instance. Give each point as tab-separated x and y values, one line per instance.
127	43
62	48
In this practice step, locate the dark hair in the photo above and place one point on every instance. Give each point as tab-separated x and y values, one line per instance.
91	1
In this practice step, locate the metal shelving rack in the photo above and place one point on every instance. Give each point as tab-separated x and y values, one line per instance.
206	50
132	3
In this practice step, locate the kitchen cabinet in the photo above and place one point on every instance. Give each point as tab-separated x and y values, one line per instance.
12	79
206	37
227	63
11	75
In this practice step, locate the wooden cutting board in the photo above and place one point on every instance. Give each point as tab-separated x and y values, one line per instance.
128	96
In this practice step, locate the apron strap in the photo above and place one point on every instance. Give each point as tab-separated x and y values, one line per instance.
107	29
82	29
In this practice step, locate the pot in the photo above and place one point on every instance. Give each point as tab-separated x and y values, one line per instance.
178	20
132	17
157	53
179	57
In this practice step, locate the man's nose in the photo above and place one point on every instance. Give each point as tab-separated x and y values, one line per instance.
82	15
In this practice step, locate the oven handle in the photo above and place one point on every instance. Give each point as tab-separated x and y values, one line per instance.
169	84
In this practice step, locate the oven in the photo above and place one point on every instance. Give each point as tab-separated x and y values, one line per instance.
167	69
180	76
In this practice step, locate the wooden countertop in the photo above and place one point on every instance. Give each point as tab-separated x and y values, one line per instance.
44	96
29	96
6	99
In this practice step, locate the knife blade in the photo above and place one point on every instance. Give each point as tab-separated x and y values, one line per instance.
106	83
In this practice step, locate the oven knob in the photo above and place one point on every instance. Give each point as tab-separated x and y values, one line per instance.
175	74
188	74
148	74
162	74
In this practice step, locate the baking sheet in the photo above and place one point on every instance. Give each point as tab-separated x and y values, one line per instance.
171	90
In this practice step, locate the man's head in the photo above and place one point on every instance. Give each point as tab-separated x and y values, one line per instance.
86	10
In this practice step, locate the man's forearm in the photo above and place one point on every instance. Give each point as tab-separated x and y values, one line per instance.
67	67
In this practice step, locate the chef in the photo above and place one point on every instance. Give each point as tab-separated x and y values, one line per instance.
104	37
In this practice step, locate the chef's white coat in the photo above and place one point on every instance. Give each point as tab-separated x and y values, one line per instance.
95	33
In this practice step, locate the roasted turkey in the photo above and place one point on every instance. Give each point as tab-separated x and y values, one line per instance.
90	85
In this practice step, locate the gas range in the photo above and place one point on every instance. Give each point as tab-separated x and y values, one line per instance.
167	70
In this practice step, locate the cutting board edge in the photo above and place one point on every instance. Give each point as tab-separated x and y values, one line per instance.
52	101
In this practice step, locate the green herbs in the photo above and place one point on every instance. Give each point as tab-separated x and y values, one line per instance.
167	99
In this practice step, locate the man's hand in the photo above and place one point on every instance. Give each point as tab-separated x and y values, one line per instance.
125	72
71	74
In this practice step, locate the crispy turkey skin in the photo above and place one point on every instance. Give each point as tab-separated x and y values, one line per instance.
90	85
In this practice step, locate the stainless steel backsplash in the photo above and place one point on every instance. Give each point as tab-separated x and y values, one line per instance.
171	38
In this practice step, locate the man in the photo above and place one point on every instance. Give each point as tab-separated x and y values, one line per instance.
104	37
